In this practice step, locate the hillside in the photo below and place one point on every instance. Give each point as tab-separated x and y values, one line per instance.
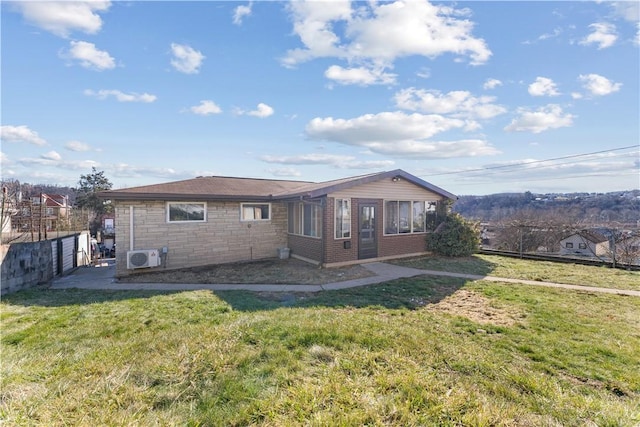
620	206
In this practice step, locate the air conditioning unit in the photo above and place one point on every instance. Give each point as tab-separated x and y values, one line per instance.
143	258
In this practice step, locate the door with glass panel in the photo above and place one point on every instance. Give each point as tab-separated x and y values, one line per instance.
367	247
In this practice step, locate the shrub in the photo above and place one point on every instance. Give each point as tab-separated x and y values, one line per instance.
454	237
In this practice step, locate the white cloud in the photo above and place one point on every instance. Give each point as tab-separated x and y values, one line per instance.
379	33
51	161
284	172
240	12
544	118
186	59
337	161
51	155
598	85
424	73
262	111
359	76
20	134
627	10
77	146
88	56
604	35
543	86
123	170
121	96
398	134
205	108
63	17
456	103
491	84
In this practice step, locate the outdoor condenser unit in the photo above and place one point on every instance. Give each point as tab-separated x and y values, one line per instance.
143	258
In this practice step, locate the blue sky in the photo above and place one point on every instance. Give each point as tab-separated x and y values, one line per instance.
475	97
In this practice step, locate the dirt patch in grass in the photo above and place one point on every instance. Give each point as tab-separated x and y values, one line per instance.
475	307
271	271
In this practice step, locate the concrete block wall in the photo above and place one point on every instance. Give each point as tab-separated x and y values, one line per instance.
24	265
223	238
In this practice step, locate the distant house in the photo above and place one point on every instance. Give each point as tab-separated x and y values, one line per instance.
628	248
585	243
211	220
49	211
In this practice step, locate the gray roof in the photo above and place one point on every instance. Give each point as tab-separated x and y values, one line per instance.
589	235
249	189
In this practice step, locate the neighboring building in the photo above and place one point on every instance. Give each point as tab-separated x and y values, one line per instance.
585	243
628	248
44	212
211	220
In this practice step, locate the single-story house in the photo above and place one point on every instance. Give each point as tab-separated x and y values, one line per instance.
212	220
585	243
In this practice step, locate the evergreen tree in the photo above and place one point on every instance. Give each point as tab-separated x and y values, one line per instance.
455	237
87	196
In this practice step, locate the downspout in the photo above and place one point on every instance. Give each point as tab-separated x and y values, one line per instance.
323	204
131	227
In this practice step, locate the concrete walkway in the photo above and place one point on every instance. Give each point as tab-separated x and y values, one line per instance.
102	276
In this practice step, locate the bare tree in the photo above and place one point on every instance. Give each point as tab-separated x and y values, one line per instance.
533	231
10	224
626	249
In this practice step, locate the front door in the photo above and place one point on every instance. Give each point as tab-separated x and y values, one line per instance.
367	247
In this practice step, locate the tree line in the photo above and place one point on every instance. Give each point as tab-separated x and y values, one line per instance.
621	207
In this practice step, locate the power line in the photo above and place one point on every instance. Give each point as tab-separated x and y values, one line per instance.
592	175
552	165
531	162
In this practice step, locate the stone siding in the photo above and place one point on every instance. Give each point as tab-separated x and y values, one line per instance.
223	238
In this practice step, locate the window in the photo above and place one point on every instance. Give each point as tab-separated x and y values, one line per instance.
343	219
255	211
418	217
569	245
402	216
305	219
186	212
432	218
391	217
582	245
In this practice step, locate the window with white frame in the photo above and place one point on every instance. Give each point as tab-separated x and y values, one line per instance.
409	216
343	219
255	211
186	212
305	219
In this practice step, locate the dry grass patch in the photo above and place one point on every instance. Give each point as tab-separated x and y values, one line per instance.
477	308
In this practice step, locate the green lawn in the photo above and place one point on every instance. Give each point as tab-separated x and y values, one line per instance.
388	354
515	268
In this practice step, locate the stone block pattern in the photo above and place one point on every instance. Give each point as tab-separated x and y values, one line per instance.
223	238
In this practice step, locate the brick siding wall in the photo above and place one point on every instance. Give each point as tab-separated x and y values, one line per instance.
306	247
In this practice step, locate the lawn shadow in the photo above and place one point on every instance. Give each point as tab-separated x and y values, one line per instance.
43	296
465	265
406	293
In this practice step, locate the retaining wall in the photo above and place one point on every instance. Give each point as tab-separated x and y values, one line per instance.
25	265
28	264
